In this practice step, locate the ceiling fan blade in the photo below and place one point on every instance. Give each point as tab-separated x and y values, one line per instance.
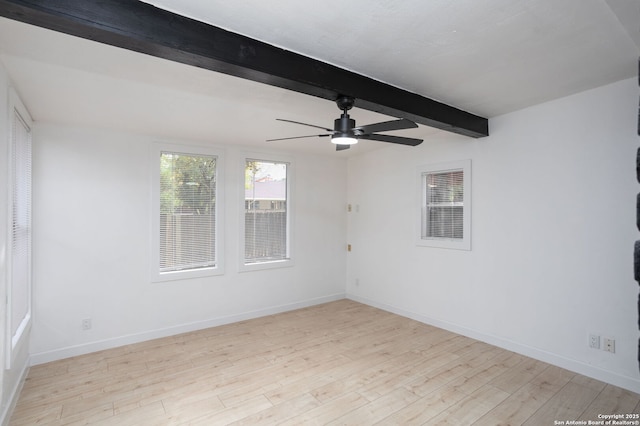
386	126
393	139
342	147
297	137
305	124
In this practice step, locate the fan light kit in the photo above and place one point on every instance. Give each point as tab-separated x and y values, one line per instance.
343	140
345	133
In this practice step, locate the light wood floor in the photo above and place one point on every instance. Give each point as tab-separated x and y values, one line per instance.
337	363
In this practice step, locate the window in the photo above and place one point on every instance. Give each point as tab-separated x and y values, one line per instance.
19	253
267	210
446	206
186	233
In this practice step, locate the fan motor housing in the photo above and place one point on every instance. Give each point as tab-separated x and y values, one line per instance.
344	124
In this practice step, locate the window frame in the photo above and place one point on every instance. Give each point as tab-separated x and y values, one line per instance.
156	151
271	264
463	243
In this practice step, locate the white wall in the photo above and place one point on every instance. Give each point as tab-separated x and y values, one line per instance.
553	226
92	242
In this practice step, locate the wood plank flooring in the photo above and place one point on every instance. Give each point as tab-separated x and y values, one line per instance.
341	363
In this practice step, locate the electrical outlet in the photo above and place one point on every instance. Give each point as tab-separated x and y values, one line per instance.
594	341
86	324
609	345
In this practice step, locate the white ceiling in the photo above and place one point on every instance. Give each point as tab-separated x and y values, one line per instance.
488	57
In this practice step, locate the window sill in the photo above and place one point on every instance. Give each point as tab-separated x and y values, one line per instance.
159	277
457	244
258	266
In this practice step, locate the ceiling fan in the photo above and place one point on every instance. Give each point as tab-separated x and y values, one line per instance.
345	133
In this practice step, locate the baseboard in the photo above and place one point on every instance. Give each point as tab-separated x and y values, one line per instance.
5	416
548	357
44	357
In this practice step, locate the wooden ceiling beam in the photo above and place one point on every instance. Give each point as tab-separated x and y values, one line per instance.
144	28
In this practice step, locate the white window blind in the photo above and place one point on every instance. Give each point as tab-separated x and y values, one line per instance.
19	294
444	206
187	212
266	218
